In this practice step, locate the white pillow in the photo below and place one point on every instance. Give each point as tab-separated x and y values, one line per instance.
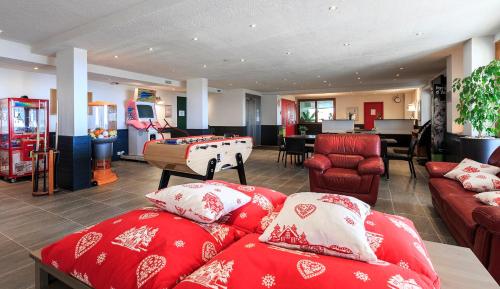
470	166
200	202
489	198
327	224
479	182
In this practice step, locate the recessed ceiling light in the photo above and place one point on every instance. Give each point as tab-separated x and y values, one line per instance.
347	44
195	38
35	68
359	78
356	73
242	60
1	31
288	52
319	76
324	81
418	34
401	68
116	56
397	75
150	49
332	8
252	25
204	66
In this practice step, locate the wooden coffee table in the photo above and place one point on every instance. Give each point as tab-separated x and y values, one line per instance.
459	268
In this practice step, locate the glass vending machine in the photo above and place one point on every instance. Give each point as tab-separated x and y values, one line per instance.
24	122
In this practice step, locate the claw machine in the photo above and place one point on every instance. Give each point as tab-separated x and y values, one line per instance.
24	122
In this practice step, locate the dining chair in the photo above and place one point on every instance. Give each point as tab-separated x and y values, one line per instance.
281	148
404	156
295	148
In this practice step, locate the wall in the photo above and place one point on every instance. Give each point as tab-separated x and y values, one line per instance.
228	108
454	69
15	83
392	110
425	105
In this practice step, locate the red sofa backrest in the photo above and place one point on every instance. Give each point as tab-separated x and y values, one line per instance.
494	159
347	150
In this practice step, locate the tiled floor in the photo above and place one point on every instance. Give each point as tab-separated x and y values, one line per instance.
28	223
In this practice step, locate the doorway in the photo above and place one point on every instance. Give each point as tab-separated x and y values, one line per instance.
253	117
181	112
289	116
373	111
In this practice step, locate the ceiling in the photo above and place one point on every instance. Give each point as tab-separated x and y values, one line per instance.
286	45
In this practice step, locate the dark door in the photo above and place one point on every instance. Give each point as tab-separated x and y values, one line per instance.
181	112
373	111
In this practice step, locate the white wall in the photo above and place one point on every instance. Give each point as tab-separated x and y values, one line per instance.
227	109
15	83
425	105
270	109
454	69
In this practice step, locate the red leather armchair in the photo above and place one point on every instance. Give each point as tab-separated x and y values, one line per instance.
471	223
347	164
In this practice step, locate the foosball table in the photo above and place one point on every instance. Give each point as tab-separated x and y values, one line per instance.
198	157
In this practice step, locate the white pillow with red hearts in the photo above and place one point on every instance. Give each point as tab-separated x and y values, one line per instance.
489	198
327	224
471	166
200	202
479	182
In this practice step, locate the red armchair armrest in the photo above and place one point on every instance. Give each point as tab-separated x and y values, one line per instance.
318	162
371	166
488	217
439	169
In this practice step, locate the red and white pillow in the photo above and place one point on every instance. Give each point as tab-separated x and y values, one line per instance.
257	213
479	182
328	224
200	202
471	166
489	198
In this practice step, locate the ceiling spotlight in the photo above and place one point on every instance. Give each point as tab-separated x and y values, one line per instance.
359	78
204	66
35	68
1	31
397	75
116	56
356	73
252	25
324	81
288	52
150	49
242	60
401	68
332	8
418	34
347	44
195	38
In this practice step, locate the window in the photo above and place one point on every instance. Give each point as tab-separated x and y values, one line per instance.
316	110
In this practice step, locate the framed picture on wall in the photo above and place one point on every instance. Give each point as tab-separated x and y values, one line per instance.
352	113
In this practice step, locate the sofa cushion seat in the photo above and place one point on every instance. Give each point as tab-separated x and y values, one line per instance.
441	188
458	208
346	180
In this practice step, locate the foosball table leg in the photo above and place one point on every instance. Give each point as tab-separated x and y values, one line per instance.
211	169
165	178
241	169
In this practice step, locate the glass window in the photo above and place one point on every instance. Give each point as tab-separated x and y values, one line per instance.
307	111
325	110
316	110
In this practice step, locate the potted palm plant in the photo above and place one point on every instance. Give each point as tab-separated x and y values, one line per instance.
479	107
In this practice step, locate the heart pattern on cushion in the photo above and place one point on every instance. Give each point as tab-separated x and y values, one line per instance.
208	251
86	243
304	210
309	269
149	267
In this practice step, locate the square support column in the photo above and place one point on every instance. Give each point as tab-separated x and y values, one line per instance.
74	142
197	105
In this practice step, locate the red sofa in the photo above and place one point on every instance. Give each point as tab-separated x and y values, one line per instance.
348	164
471	223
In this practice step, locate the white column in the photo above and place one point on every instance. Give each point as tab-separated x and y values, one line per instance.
71	70
197	103
454	69
478	51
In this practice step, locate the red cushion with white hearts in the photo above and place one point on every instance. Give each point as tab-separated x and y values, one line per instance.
471	166
489	198
248	218
329	224
199	202
479	182
142	249
394	239
250	264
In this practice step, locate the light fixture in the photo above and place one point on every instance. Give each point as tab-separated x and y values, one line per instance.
332	8
204	66
195	38
418	34
288	52
397	74
35	68
356	73
401	68
150	49
412	108
252	25
319	76
242	60
1	31
359	78
324	81
116	56
347	44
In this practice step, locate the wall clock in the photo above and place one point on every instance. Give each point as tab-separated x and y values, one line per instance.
397	99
